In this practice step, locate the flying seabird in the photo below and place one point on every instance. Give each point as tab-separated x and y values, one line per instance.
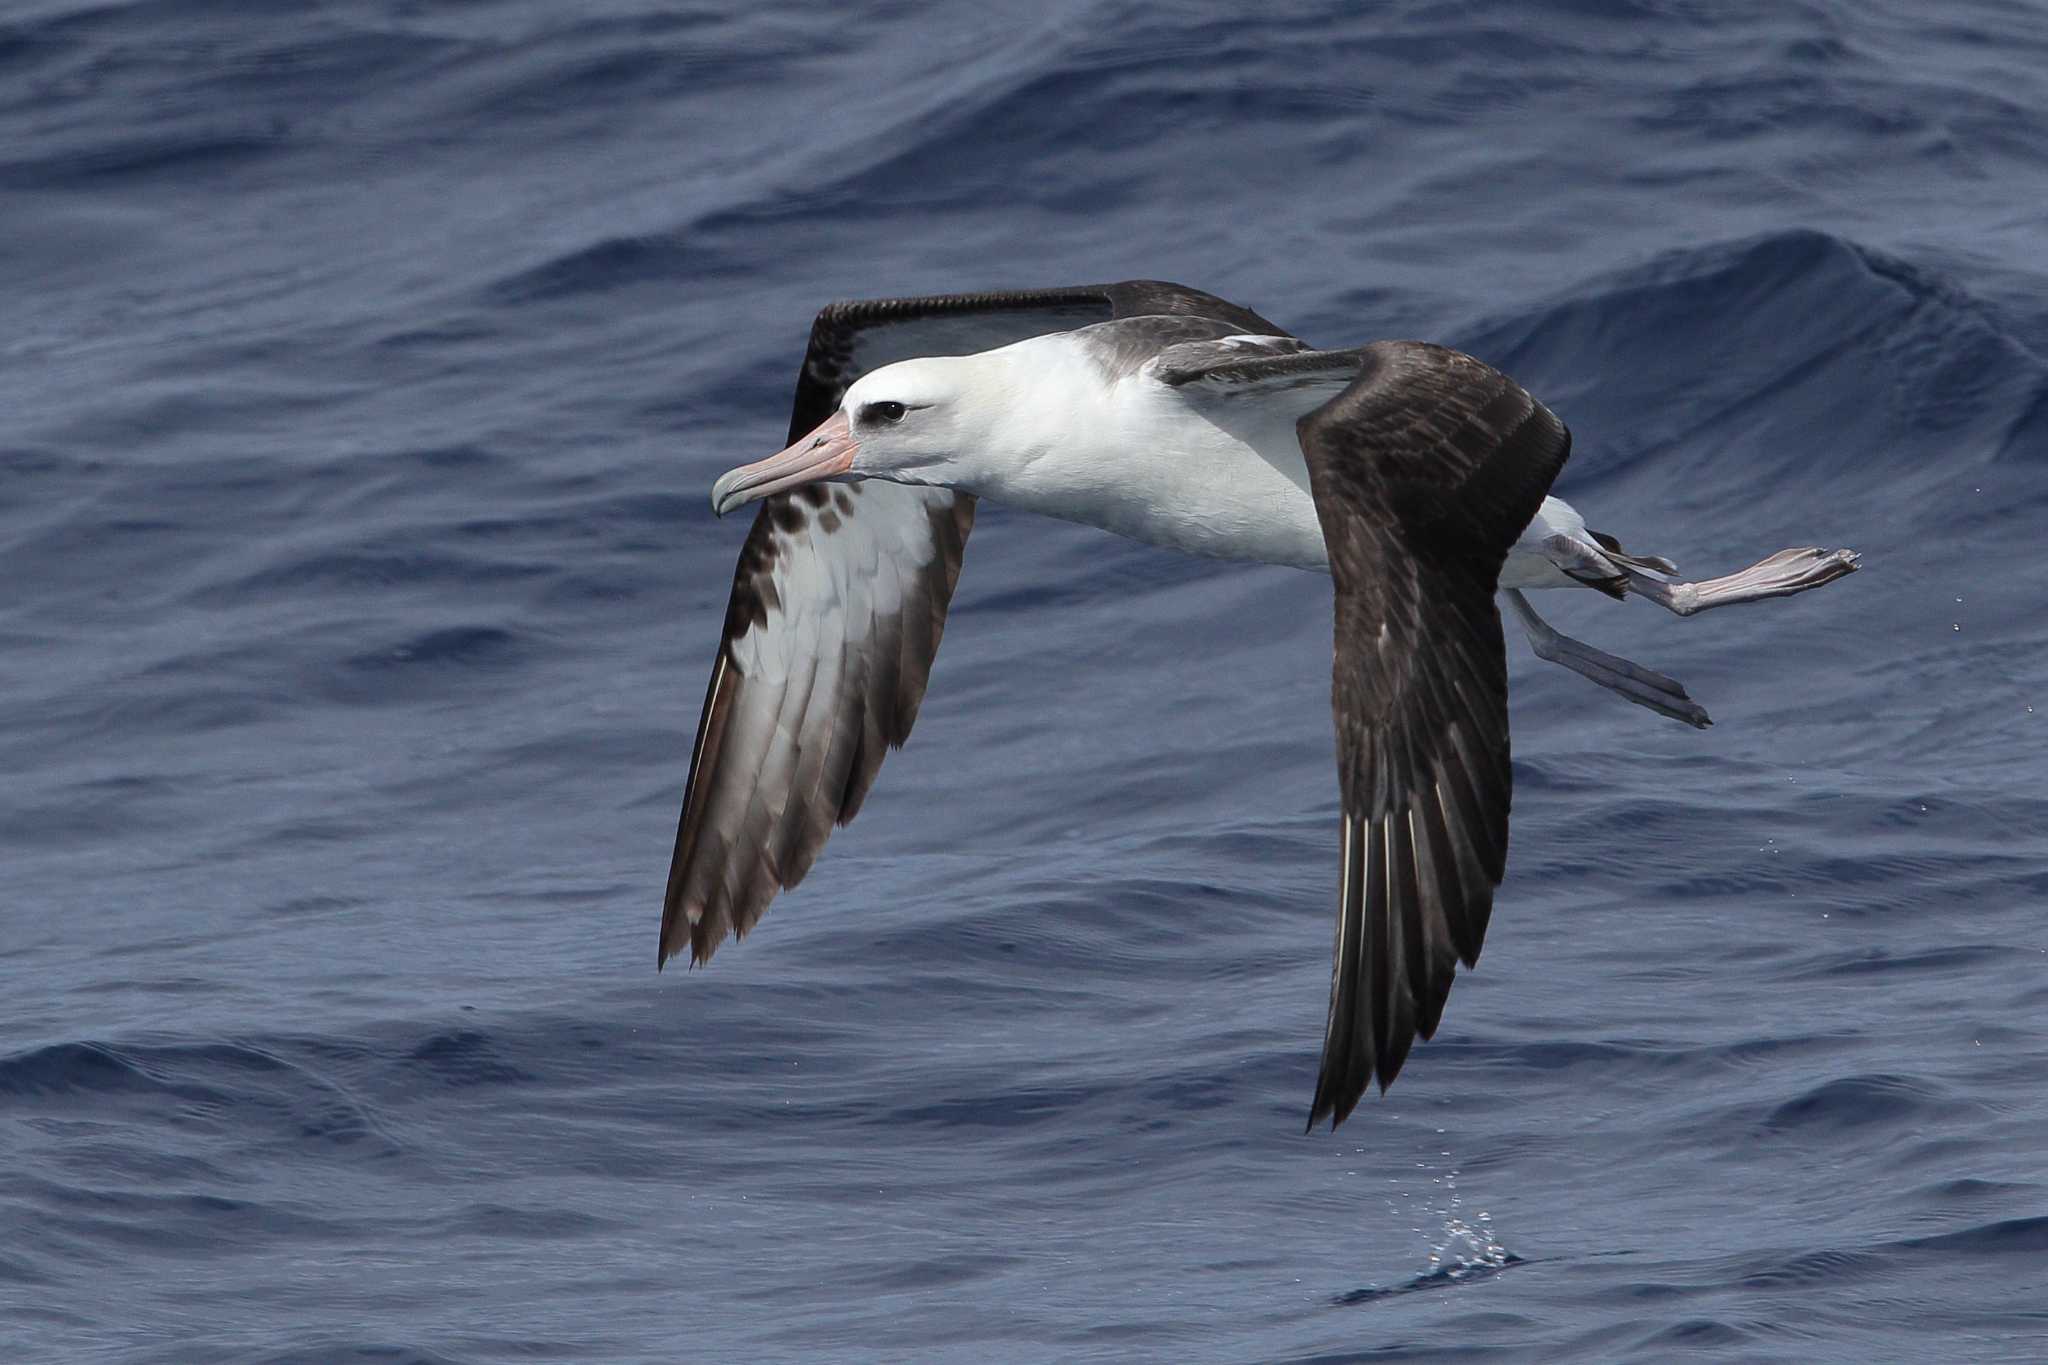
1416	476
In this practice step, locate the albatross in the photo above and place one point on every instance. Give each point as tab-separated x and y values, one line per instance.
1417	477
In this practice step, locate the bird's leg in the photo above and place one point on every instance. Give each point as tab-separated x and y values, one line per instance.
1783	574
1643	686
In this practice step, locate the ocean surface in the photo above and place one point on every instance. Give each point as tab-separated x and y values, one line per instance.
364	369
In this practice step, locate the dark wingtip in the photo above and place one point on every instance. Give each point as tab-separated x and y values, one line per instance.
1335	1109
667	946
1328	1105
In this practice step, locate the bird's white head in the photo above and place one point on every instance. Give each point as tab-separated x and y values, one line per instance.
921	421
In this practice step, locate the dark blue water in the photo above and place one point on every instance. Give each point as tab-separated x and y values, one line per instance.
364	368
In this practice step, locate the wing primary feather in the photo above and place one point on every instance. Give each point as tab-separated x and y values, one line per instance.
1444	867
1382	934
1359	1064
1398	992
1403	889
1472	876
1340	1033
711	729
1439	955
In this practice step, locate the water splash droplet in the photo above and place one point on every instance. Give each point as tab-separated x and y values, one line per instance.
1467	1248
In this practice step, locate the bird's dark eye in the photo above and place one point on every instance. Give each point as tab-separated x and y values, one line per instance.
890	411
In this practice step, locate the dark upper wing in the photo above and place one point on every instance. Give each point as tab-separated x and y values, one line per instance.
1424	470
1251	365
837	607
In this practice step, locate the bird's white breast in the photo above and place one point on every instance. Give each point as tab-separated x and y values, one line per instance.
1222	479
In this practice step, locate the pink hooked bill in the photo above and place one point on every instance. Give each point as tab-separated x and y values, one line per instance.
824	454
